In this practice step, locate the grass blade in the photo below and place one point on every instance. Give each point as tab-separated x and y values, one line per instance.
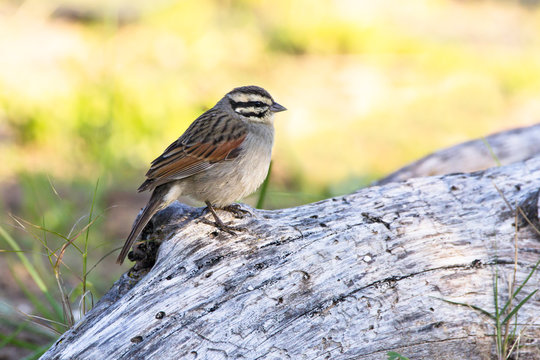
498	328
85	253
518	306
34	300
474	307
32	271
264	188
491	152
24	260
518	290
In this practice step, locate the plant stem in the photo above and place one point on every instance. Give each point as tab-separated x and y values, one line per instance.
85	252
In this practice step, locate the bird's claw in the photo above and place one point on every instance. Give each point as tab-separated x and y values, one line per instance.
237	211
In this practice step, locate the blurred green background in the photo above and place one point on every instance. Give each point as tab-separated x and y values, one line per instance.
96	89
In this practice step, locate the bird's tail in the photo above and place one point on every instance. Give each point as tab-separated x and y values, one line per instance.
157	202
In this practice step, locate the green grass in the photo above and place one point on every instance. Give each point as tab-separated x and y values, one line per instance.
507	334
56	287
392	355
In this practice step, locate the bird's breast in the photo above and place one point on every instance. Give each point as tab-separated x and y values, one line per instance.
231	180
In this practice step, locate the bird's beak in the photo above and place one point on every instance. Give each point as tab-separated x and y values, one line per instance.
275	107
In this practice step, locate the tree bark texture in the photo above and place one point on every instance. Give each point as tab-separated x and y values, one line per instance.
350	277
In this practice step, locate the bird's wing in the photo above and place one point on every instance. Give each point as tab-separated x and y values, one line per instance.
212	137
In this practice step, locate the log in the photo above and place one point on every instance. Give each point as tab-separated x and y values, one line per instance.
351	277
502	148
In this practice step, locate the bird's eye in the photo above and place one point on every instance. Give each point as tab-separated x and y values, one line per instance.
260	103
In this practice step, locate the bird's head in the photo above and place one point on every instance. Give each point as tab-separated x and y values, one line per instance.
253	103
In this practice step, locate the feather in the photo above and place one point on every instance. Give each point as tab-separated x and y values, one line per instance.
213	137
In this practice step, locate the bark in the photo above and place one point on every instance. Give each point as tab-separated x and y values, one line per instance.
351	277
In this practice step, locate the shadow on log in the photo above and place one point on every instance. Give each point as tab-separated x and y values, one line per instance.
351	277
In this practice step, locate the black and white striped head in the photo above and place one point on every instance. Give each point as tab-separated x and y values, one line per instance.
253	103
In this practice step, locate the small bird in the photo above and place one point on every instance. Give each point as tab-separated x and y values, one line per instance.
223	156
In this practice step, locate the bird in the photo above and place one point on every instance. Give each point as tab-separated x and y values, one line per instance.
223	156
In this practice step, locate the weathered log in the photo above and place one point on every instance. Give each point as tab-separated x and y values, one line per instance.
498	149
351	277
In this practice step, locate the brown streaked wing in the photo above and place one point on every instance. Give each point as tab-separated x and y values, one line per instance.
209	139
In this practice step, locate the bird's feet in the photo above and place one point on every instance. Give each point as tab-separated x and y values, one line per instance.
235	209
222	226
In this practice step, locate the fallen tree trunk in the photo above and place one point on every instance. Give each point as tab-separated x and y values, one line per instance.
349	277
498	149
